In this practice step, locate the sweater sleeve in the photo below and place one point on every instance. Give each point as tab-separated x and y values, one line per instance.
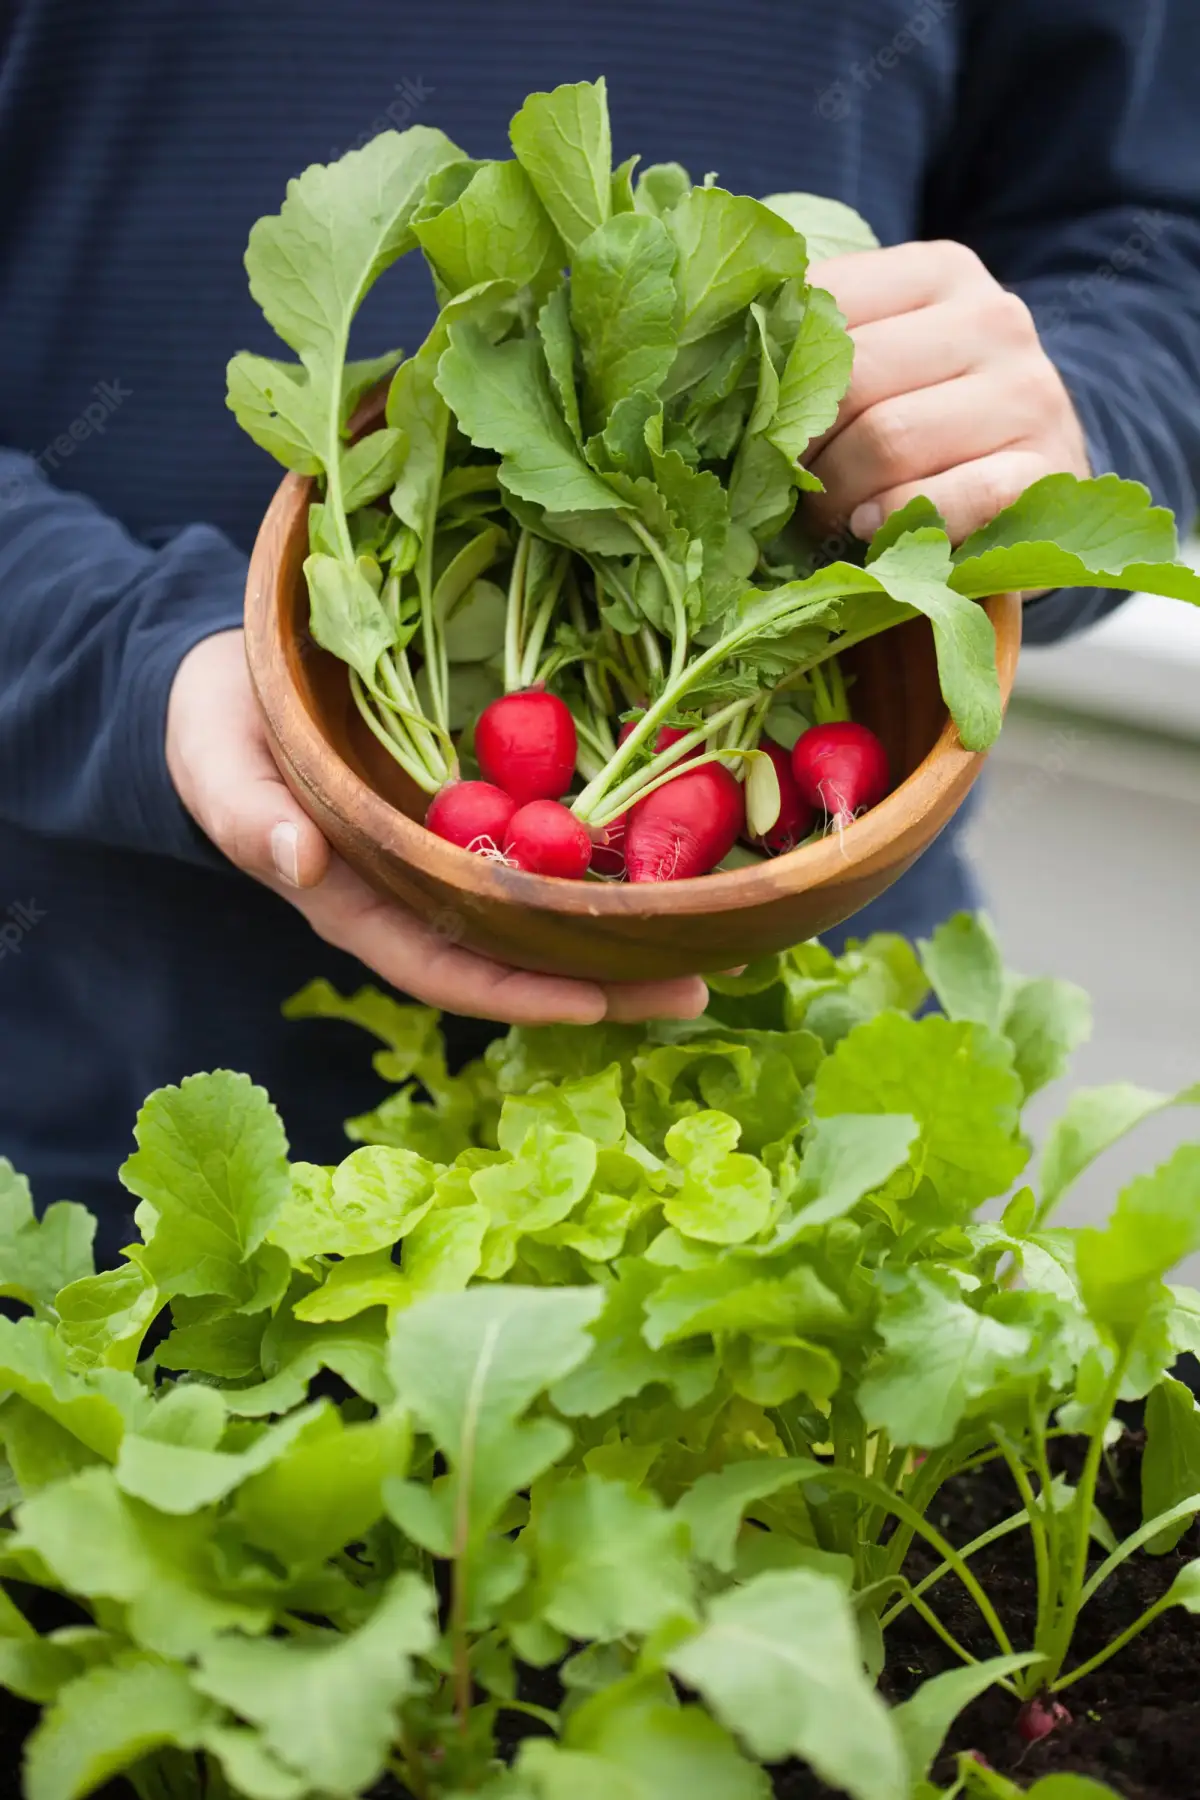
1073	167
93	626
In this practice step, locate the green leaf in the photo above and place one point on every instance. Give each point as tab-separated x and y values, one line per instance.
1045	1023
732	250
228	1346
1155	1225
103	1545
828	227
294	1351
103	1318
845	1156
468	1367
916	571
373	1198
497	230
541	1185
609	1560
623	307
660	187
1063	532
108	1721
924	1720
212	1163
38	1256
39	1668
324	1490
1171	1459
939	1356
358	379
371	466
563	143
632	1741
558	343
342	224
1096	1118
966	970
715	1506
475	629
815	377
274	403
347	617
326	1705
725	1196
356	1284
622	1364
779	1663
94	1407
502	397
954	1078
729	1296
181	1478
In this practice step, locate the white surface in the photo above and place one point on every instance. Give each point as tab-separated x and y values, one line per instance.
1140	666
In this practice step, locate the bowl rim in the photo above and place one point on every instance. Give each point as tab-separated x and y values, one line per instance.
946	766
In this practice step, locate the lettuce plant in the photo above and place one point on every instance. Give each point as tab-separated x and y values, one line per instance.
637	1357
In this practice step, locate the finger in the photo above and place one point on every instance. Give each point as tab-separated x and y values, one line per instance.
922	349
878	284
246	808
967	497
428	963
921	434
631	1001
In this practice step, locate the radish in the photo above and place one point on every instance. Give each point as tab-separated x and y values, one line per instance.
526	745
545	838
608	847
1039	1717
472	814
841	767
684	827
796	815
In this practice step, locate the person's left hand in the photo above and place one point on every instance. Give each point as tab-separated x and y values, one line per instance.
952	394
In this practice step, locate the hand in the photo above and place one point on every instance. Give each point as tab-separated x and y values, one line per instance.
224	773
952	394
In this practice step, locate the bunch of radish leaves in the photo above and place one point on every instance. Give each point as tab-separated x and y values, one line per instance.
633	1356
591	473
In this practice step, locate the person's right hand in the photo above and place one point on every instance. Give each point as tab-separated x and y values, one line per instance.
223	771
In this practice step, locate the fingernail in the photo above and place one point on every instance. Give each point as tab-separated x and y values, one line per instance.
285	852
866	519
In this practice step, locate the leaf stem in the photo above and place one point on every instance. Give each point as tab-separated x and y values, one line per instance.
1118	1643
514	618
679	625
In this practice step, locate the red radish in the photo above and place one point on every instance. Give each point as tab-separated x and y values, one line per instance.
684	827
841	767
526	745
472	814
667	735
796	815
608	847
1039	1717
545	838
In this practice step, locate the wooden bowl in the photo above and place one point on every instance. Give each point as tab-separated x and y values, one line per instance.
370	811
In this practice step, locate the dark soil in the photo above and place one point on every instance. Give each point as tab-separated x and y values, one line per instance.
1135	1723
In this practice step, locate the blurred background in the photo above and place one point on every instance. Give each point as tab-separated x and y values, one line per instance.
1088	842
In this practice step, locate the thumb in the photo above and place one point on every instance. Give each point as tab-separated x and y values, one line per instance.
225	775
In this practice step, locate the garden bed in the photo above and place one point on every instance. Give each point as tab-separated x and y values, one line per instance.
1135	1723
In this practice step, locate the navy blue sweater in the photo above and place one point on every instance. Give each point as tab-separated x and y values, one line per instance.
140	139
